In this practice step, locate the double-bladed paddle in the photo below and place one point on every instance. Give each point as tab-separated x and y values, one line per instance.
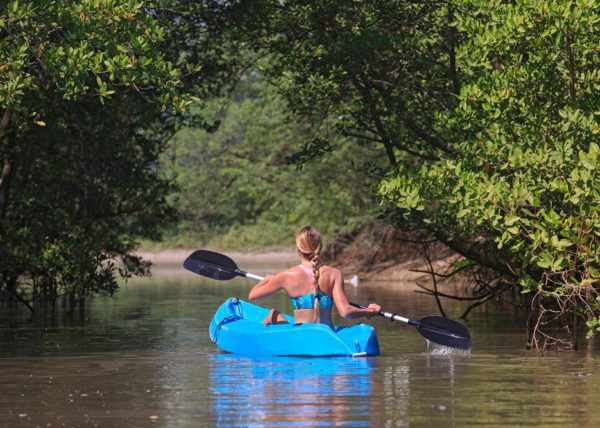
437	329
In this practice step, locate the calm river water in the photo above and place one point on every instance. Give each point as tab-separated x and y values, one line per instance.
144	358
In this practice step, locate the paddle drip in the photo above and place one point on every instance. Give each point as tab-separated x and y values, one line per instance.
437	349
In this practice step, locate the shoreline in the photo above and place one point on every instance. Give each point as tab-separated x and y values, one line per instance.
175	256
397	274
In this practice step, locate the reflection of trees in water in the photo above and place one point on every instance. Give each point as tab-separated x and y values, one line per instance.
291	391
140	318
396	393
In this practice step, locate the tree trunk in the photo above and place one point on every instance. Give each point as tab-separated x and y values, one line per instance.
6	171
452	51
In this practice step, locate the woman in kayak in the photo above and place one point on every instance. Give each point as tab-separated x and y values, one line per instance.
312	287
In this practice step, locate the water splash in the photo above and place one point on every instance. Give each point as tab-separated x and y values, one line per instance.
437	349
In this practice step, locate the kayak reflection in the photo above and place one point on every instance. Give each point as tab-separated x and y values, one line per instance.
290	391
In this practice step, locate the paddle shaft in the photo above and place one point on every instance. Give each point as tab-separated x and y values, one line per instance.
416	323
252	276
393	317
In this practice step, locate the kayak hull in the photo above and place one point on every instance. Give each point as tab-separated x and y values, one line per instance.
237	328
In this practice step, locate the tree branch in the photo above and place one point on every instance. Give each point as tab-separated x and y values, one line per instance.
571	58
386	141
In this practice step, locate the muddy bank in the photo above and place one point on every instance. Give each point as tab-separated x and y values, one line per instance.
384	254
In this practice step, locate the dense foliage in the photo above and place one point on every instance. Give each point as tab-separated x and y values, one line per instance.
238	188
524	175
82	89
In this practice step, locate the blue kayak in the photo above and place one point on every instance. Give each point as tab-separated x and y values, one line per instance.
237	328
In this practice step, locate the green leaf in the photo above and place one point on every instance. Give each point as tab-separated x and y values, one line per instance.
513	230
463	213
586	161
512	220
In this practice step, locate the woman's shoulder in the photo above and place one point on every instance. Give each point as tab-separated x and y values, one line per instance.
330	271
291	272
286	277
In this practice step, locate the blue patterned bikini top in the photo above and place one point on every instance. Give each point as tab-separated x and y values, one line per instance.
307	301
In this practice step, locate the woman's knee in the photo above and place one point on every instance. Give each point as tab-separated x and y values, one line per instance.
274	317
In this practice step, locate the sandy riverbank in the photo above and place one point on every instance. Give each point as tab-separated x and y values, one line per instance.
398	273
176	256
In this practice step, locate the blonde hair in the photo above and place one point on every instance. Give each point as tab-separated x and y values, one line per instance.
310	243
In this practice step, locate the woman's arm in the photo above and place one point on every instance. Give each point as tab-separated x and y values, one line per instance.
271	284
344	307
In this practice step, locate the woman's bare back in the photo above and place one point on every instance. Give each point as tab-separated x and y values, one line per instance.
300	283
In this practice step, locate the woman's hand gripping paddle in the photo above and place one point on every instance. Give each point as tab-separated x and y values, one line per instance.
437	329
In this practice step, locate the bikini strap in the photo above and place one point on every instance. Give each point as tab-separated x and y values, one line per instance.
310	274
308	271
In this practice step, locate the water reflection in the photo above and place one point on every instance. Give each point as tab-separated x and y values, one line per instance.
291	391
396	394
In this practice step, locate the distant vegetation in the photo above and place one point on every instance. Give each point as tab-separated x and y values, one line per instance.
232	124
238	187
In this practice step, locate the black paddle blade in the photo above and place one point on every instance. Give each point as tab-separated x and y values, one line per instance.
445	332
212	265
